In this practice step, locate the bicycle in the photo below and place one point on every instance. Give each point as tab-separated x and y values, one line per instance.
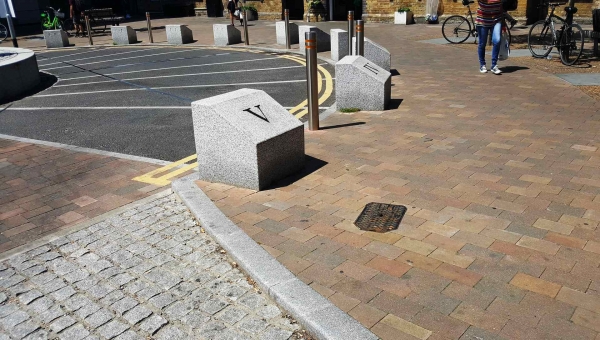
56	20
457	28
568	39
3	33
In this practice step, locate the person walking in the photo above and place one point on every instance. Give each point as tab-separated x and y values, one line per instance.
232	7
489	21
75	10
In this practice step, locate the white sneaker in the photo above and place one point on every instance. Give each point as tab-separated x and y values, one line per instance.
496	70
483	69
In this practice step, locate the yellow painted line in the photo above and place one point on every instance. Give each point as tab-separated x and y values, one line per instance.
165	179
324	96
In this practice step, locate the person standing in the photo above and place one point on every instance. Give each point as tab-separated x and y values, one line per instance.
75	10
489	21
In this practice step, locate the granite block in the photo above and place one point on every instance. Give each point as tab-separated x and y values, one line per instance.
375	53
179	34
56	38
226	35
123	35
362	84
323	39
246	139
280	29
339	44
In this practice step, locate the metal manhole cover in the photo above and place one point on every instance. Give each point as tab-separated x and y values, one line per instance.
380	217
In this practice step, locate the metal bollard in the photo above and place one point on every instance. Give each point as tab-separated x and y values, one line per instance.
312	87
287	29
246	39
149	25
89	31
350	30
360	38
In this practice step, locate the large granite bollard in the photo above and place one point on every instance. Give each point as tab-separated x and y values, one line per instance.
375	53
123	35
56	38
280	31
323	39
246	139
226	35
339	44
179	34
362	84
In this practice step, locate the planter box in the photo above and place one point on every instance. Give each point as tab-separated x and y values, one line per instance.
252	16
403	18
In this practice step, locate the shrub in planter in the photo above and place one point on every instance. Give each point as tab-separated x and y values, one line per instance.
403	16
251	11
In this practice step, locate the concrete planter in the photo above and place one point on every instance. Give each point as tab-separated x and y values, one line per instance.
403	18
252	16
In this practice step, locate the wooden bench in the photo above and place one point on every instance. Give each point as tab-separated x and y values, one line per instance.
102	17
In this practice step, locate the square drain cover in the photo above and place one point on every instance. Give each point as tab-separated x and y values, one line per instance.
380	217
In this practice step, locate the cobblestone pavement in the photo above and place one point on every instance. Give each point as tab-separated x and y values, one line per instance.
43	189
148	272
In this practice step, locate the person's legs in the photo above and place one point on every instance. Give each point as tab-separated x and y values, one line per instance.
231	16
497	30
482	34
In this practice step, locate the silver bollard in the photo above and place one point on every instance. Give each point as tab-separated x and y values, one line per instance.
89	31
287	29
312	87
149	25
246	39
360	38
11	26
350	30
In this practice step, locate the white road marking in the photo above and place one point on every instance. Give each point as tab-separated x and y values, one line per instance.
171	68
118	59
170	87
98	56
114	108
182	75
69	55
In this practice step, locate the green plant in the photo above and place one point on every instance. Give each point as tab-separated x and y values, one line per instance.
314	3
349	109
249	8
403	9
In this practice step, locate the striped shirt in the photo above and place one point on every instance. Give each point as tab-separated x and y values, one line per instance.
489	12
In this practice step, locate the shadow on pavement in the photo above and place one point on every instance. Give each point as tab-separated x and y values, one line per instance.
341	125
511	69
311	165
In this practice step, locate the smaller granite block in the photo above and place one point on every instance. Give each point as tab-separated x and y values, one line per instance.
362	84
246	139
339	44
179	34
56	38
323	39
375	53
280	29
226	35
123	35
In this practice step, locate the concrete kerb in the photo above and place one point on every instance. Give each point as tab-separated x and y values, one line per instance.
314	312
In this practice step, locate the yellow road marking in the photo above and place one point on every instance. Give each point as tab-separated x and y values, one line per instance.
165	179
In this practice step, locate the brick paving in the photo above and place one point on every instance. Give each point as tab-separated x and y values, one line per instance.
149	272
500	177
44	189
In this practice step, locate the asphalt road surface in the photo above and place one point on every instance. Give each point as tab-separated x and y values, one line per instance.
136	100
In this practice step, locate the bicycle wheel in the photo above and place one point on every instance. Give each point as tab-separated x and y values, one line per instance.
571	44
66	25
3	32
456	29
540	40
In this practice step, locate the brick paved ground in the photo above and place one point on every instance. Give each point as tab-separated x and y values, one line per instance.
43	189
501	178
148	272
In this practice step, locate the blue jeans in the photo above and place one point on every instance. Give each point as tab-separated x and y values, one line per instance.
482	33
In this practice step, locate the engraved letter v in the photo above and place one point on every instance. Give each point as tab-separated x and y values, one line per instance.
263	117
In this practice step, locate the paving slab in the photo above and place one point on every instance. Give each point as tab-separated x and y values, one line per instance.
581	79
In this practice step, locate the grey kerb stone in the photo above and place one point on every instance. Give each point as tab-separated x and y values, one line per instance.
123	35
339	44
179	34
361	84
226	35
375	53
323	39
280	30
56	38
245	138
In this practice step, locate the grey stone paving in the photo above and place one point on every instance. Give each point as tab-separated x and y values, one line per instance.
149	272
581	79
